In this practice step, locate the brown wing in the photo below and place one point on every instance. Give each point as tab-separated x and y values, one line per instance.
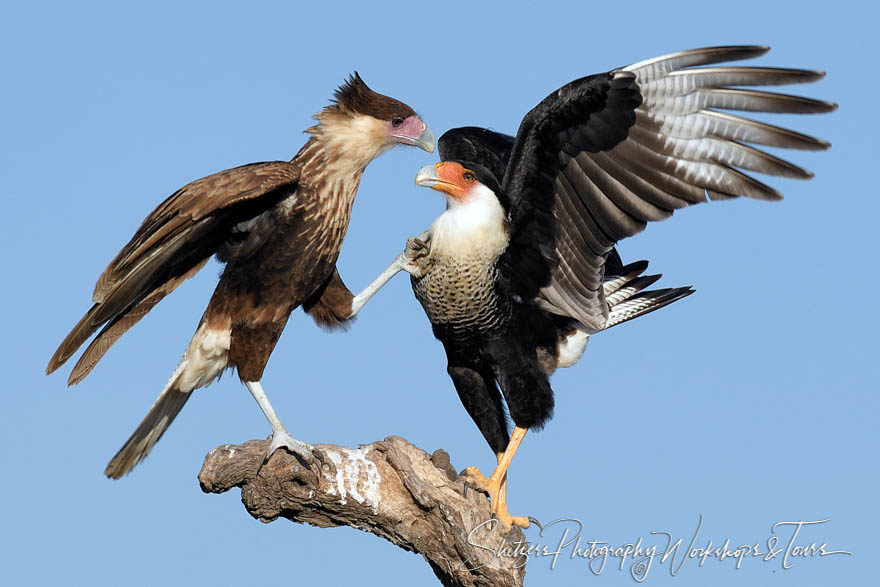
602	156
171	245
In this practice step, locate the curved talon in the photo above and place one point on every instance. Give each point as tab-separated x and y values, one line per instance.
416	247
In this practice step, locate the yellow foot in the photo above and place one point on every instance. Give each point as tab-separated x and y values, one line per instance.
473	476
496	488
504	516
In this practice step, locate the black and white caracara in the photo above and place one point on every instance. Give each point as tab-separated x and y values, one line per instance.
520	269
278	227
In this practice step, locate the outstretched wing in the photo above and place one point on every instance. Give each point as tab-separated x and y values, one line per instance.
599	158
171	245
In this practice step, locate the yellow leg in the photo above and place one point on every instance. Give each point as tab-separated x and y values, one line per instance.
496	484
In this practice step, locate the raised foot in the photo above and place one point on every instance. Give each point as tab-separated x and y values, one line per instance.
416	258
497	490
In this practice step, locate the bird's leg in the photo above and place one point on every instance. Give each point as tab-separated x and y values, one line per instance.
502	493
362	298
496	484
412	260
280	436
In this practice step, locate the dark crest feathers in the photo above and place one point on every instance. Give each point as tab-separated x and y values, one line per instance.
356	97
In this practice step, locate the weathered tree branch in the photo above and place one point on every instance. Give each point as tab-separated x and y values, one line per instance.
390	488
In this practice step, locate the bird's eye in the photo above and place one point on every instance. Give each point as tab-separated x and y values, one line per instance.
469	177
396	121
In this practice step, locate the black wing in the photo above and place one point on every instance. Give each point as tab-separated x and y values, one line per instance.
603	155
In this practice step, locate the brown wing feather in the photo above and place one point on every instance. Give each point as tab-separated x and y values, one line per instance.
121	324
172	244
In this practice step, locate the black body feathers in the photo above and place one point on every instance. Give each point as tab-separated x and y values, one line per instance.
591	164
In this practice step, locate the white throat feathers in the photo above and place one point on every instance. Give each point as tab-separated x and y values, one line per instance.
475	222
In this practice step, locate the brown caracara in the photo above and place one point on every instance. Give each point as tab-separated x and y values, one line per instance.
277	227
521	269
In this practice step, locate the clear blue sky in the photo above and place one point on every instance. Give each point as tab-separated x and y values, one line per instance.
752	402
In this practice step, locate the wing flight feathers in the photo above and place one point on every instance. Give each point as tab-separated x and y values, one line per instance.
602	156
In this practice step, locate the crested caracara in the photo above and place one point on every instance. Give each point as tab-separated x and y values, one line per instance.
521	269
277	227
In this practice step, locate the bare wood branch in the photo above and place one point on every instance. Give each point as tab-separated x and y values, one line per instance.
390	488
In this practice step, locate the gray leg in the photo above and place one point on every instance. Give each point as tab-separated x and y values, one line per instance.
280	436
362	298
413	259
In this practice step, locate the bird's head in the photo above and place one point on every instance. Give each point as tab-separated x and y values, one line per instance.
368	119
475	218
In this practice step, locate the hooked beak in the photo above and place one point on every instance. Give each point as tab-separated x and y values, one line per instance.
427	177
443	177
426	140
415	132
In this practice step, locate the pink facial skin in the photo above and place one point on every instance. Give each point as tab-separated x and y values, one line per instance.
413	132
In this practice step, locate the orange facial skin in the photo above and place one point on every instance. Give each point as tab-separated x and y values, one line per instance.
454	179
